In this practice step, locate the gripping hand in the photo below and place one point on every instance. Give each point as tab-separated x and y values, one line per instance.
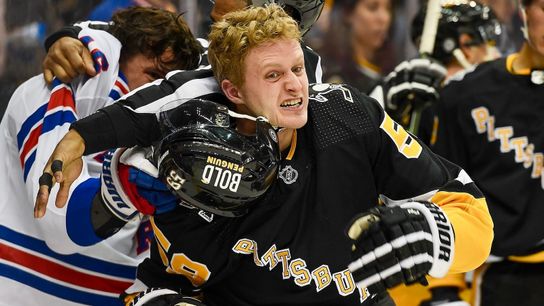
412	85
130	186
400	245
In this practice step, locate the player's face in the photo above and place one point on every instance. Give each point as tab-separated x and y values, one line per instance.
221	7
140	69
535	25
276	85
370	22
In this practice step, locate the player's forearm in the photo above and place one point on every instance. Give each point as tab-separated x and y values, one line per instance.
115	127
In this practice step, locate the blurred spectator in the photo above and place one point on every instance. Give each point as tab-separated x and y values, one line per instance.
106	8
357	59
23	26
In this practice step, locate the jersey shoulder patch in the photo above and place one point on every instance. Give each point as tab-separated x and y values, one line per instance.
337	112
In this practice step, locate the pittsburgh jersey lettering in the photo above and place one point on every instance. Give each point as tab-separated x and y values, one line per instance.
523	150
297	269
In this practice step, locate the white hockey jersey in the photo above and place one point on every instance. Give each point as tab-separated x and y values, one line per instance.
58	260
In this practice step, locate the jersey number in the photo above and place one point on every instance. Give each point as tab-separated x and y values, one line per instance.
197	273
406	145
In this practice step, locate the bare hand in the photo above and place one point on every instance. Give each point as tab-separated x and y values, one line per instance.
63	167
66	59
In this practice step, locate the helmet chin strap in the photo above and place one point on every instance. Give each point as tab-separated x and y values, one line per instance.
249	117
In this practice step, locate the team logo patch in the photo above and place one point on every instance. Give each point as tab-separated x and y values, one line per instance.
319	92
288	175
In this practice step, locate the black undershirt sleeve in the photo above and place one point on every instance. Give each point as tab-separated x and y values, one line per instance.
67	31
115	126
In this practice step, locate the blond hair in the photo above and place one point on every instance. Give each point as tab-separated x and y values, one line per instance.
238	32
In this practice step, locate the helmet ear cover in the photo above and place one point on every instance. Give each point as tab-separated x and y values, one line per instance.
305	12
206	163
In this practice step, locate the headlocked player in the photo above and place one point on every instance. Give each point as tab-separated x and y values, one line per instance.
60	260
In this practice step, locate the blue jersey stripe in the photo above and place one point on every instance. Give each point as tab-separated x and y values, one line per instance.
57	119
114	94
55	289
78	260
29	123
28	164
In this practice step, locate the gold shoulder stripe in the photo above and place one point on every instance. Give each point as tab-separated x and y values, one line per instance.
293	146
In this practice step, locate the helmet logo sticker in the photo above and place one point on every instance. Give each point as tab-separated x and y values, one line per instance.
221	119
174	180
273	135
288	175
223	178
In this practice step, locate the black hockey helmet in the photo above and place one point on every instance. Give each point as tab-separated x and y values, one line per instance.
206	163
458	17
305	12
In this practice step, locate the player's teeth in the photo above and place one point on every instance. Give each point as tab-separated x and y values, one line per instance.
290	103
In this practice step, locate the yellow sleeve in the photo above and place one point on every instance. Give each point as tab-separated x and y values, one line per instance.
472	225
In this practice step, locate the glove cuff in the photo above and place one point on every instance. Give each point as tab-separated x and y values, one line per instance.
111	190
162	296
442	235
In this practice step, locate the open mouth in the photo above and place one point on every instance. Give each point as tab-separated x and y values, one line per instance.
294	103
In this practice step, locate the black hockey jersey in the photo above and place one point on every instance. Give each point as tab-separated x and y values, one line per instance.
490	123
291	248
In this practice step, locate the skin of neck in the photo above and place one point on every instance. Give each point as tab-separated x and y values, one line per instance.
528	58
247	127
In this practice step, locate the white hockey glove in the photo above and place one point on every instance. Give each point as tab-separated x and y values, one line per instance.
161	297
413	84
444	296
400	245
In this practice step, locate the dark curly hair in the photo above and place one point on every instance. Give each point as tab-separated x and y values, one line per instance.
152	31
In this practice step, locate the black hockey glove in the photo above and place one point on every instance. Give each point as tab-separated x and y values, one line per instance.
412	85
160	297
400	245
444	296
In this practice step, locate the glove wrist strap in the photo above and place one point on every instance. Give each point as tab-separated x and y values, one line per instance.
442	233
113	195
